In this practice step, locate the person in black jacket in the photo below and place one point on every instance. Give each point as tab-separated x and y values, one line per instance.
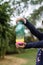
39	44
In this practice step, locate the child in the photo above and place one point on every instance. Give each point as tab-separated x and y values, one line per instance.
39	44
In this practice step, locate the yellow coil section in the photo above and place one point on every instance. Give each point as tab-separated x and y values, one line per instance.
19	40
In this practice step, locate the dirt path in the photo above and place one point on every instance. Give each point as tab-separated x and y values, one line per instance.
10	60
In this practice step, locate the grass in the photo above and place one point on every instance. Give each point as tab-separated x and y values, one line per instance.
30	55
26	58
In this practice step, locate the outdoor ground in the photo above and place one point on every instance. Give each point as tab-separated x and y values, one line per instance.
10	60
27	58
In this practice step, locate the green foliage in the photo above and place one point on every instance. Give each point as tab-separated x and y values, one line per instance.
28	39
30	55
5	29
36	2
20	5
40	29
36	15
19	8
12	40
13	7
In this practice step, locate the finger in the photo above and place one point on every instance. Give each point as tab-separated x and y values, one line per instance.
18	19
23	19
16	45
21	46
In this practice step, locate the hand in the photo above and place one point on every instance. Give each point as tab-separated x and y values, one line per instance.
20	46
23	19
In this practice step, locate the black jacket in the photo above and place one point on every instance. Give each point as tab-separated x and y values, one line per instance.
36	33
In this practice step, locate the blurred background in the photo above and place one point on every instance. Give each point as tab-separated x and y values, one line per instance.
9	11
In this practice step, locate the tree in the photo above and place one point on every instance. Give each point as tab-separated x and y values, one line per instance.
37	14
20	6
5	29
12	48
14	7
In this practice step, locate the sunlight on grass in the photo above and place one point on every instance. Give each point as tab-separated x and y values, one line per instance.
30	55
26	58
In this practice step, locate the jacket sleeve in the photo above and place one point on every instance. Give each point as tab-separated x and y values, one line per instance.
33	30
38	44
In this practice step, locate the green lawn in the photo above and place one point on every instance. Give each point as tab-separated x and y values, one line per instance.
30	55
26	58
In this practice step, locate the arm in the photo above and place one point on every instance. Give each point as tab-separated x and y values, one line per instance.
38	44
33	30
